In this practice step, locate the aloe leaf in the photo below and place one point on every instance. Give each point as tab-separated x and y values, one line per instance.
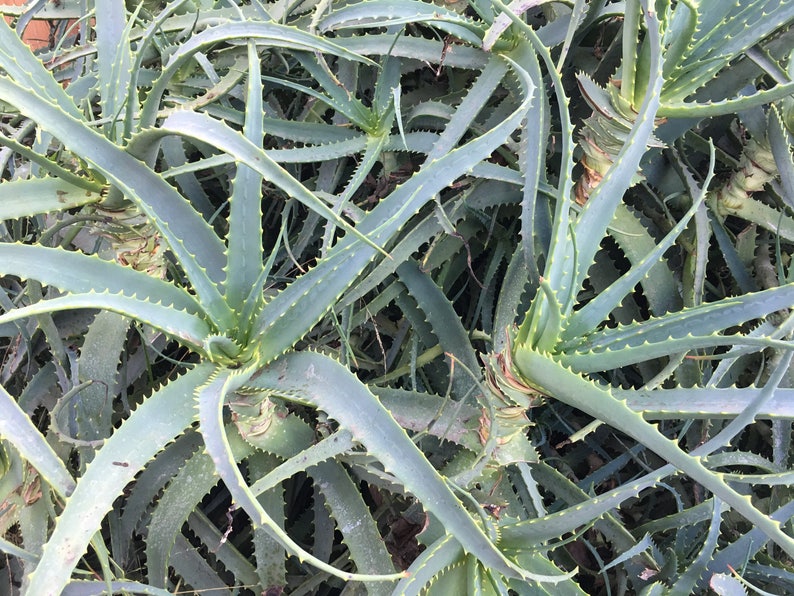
442	554
415	48
315	133
11	549
516	287
16	425
597	310
143	40
373	149
24	198
781	148
148	485
746	546
417	142
338	443
436	415
78	273
354	111
210	398
114	58
612	358
519	535
181	497
446	325
223	550
552	378
100	588
270	556
693	109
477	97
685	583
704	320
592	223
660	287
98	365
354	521
197	248
539	563
194	569
204	128
18	61
189	328
50	166
480	197
724	32
705	402
534	138
336	95
221	87
160	418
565	490
382	13
294	310
558	265
308	376
245	264
269	33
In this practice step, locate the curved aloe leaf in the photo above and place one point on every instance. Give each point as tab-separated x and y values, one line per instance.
155	423
190	328
78	273
211	398
270	33
354	521
197	248
182	495
440	555
416	48
324	383
23	198
148	485
593	361
552	378
703	320
202	127
382	13
18	61
32	446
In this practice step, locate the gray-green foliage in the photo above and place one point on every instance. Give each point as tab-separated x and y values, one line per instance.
273	245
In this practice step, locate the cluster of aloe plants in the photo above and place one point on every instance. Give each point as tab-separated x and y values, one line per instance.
314	298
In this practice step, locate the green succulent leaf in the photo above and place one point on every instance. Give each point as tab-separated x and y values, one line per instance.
304	376
196	246
151	427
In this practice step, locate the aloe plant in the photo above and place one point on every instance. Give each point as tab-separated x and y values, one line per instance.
562	352
363	255
214	303
561	342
